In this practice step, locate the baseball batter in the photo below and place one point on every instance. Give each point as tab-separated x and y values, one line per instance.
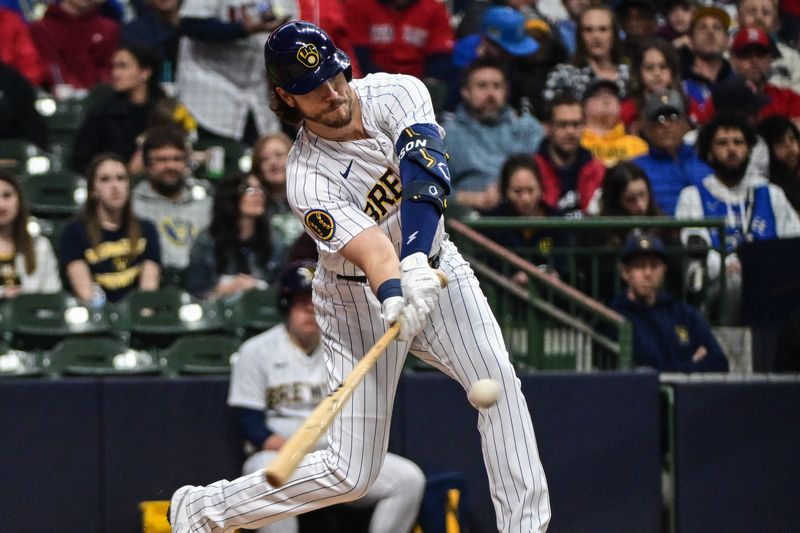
368	175
281	372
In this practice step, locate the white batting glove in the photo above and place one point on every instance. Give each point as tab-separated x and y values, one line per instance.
394	309
420	283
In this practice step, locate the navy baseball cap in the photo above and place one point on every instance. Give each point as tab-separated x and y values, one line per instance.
639	244
505	26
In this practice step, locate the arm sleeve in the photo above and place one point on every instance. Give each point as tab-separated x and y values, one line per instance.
364	56
440	31
589	182
87	141
211	29
46	266
27	61
786	219
249	379
715	360
358	22
253	425
201	274
689	207
152	250
74	243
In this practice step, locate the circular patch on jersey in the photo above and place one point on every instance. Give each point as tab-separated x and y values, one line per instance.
321	223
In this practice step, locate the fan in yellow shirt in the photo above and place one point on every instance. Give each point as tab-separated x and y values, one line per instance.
605	134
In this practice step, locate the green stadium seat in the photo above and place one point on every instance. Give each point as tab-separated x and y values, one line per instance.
65	121
39	321
97	357
173	276
252	313
55	194
200	354
19	156
154	319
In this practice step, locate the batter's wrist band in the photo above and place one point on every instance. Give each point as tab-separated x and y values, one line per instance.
389	288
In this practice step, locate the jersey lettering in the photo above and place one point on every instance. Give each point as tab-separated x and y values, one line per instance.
386	191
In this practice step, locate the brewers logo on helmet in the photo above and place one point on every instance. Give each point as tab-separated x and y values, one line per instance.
301	56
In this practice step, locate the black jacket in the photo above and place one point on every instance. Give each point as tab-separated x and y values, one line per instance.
110	126
18	116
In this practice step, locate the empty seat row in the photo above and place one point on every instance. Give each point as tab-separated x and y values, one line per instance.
107	356
151	322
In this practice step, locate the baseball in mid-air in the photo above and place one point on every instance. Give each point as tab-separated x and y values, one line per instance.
484	392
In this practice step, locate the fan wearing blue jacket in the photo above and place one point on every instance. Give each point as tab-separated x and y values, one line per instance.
668	335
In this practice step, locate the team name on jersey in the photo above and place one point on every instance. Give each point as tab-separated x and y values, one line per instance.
386	192
295	393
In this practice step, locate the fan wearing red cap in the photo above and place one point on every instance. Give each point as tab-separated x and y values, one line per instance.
752	53
785	71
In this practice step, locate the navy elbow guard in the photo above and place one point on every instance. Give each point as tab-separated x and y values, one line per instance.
423	165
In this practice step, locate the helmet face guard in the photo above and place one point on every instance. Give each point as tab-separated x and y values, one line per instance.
300	57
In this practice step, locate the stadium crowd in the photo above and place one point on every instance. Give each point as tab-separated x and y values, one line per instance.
551	108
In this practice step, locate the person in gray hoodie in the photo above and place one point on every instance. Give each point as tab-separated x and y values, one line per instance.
169	198
483	132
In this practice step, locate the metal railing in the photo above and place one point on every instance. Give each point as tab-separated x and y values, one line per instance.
568	330
590	265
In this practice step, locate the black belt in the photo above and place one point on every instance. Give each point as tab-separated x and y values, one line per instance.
432	261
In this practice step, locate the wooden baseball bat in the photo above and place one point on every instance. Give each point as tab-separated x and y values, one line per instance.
316	423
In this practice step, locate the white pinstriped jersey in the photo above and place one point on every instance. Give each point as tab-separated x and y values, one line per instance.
342	188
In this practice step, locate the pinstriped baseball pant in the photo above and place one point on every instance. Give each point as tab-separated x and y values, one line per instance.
464	341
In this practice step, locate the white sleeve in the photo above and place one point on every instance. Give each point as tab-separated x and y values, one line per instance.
202	9
329	213
403	102
248	377
46	266
786	220
690	206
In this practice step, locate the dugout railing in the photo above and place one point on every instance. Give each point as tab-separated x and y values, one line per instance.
565	330
550	324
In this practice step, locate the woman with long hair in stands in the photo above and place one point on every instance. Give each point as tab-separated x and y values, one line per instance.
521	196
656	68
107	251
269	164
27	262
598	54
239	251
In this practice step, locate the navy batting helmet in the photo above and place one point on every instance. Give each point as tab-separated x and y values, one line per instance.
300	57
296	279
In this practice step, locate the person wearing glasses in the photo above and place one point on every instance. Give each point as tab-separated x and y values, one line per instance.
670	163
170	198
239	251
570	176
